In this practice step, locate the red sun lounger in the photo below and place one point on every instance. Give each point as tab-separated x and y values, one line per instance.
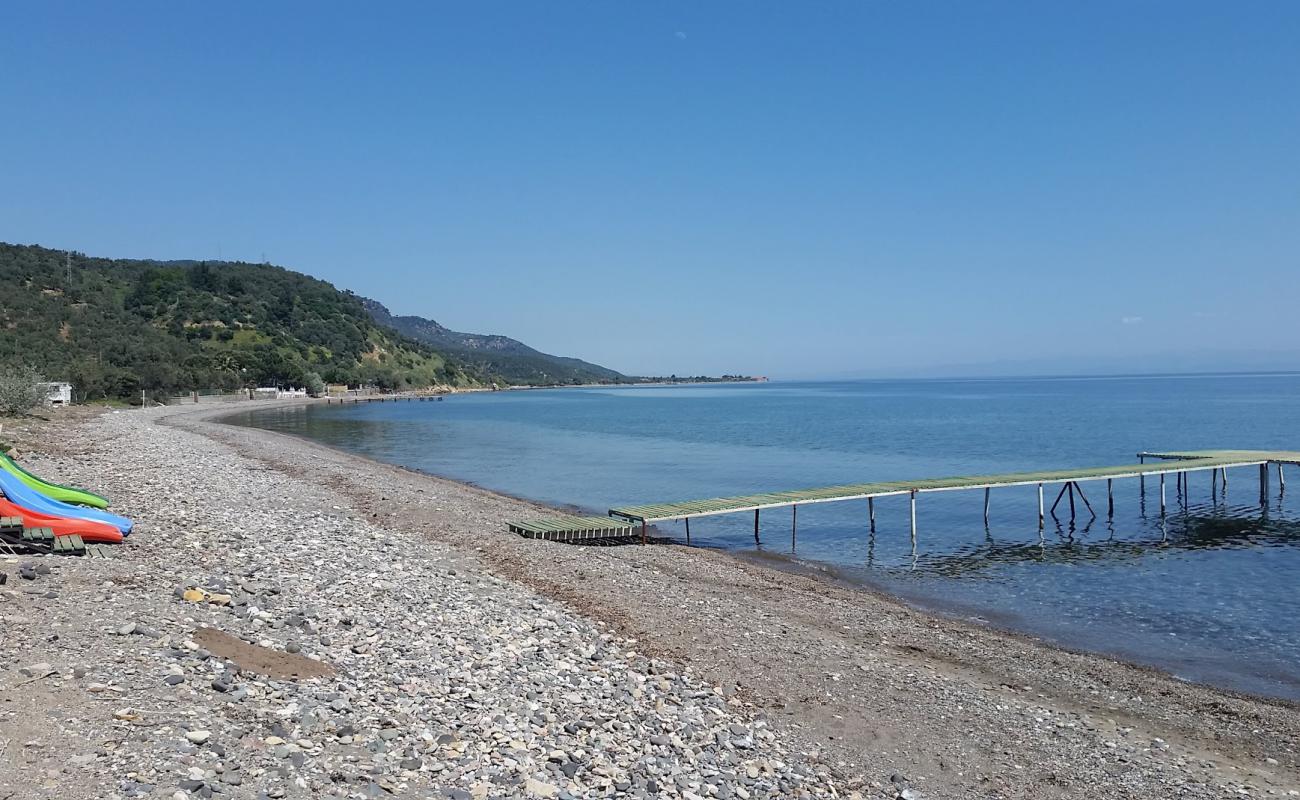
90	531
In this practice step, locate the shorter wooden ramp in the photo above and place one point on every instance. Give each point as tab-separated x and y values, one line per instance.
570	528
1273	456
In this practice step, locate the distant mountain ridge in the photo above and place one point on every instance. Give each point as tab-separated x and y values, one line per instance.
115	328
494	354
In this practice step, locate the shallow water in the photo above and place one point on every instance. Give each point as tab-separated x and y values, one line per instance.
1208	593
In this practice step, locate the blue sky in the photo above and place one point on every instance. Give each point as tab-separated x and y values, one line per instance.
783	188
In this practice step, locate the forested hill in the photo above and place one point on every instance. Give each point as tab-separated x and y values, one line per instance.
115	327
509	358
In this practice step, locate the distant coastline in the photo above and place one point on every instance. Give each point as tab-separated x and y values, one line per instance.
669	381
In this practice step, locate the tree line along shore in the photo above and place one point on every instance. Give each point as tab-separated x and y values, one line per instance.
117	328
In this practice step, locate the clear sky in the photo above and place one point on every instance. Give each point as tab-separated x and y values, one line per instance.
795	189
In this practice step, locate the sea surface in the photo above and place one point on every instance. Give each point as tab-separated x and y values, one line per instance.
1210	592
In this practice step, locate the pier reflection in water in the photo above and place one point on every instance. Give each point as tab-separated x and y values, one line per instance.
1096	540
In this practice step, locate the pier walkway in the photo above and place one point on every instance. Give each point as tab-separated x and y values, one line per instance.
1154	464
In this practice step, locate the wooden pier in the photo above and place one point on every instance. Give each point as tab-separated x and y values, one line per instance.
1150	464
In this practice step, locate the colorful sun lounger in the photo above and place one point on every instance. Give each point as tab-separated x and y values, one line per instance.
24	496
88	530
54	491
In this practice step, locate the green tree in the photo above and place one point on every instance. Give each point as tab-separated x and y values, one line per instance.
314	384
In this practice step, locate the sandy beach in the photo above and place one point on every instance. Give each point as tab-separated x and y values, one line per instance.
361	630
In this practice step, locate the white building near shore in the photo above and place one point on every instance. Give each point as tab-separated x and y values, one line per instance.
57	393
275	393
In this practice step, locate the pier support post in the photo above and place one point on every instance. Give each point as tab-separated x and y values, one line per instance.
1070	485
1162	494
1281	479
1214	487
688	530
794	524
1142	478
913	497
1084	498
756	526
986	506
1224	473
1110	498
1263	484
871	512
1041	517
1065	486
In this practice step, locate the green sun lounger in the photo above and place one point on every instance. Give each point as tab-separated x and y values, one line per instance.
54	491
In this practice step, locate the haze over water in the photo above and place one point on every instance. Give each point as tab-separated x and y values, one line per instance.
1209	593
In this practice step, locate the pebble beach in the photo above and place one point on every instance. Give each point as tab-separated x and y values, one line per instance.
292	621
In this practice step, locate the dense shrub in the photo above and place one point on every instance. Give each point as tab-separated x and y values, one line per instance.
19	390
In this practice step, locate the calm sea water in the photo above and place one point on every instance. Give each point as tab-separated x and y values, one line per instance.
1208	593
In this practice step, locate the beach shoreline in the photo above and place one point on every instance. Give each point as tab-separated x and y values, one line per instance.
985	657
888	699
1007	624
